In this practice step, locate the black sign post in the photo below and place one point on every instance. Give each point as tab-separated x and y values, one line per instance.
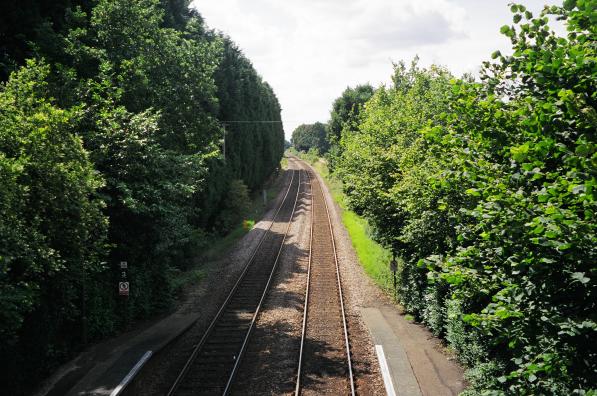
123	285
394	268
123	291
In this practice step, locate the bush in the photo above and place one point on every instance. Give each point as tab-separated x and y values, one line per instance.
52	230
234	207
488	190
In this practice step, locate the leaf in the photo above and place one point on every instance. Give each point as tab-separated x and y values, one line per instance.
564	246
580	277
543	197
539	229
577	189
520	153
583	150
569	4
551	234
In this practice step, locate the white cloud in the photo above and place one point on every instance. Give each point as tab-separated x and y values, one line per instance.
311	50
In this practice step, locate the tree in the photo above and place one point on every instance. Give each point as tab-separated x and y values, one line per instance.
346	109
52	230
110	151
310	136
29	21
345	117
486	192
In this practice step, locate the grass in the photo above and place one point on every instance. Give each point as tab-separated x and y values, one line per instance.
374	258
184	278
219	246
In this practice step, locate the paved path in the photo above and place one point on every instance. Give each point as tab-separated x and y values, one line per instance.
411	362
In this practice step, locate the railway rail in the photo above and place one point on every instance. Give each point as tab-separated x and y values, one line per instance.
212	365
324	359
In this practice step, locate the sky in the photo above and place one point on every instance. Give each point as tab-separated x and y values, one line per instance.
309	51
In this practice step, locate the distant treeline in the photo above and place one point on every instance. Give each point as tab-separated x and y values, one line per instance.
112	120
485	191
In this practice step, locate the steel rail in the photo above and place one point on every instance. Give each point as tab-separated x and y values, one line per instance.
341	297
297	389
182	374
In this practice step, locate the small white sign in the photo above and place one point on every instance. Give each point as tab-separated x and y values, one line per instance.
123	265
123	288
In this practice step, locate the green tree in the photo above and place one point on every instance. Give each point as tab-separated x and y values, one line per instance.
125	126
310	136
486	191
345	118
52	230
346	109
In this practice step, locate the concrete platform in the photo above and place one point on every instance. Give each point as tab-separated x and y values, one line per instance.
412	363
105	369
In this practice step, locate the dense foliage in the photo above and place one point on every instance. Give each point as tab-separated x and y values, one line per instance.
310	136
486	190
111	150
344	117
252	149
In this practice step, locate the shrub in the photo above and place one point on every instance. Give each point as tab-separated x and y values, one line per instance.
234	207
52	230
487	189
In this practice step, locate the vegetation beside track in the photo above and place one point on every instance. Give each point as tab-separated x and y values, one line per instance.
486	191
114	116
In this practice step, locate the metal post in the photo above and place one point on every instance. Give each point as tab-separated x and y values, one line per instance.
394	268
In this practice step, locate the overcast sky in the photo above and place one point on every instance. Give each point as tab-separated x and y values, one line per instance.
311	50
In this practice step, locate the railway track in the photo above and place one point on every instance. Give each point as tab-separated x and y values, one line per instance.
324	365
211	367
324	358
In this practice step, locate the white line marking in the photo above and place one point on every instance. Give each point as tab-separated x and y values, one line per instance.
131	374
385	371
